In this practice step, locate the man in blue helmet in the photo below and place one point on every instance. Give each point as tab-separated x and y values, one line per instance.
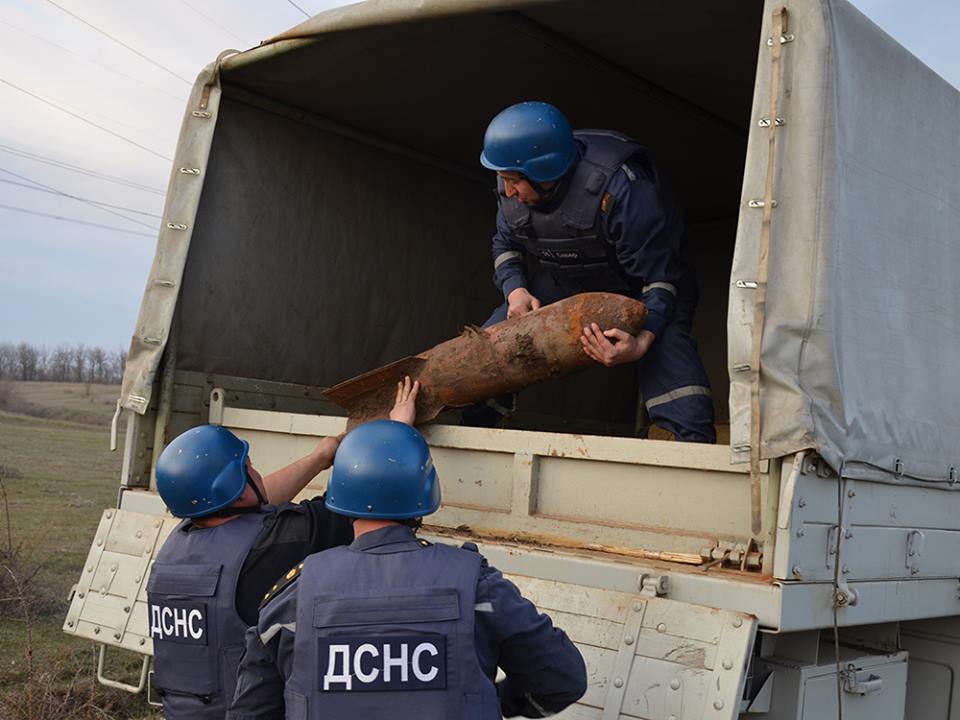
215	567
592	213
395	626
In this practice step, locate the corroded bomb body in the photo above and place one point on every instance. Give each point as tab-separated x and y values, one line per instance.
481	364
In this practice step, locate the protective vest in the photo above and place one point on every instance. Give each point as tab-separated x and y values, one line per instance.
395	638
196	631
568	239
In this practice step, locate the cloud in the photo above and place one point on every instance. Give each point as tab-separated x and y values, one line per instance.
71	282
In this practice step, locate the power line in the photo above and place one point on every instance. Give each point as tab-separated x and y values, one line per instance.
46	160
75	220
114	121
83	119
92	61
121	43
305	13
73	197
213	22
86	200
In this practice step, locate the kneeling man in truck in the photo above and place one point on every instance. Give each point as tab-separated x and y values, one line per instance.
590	209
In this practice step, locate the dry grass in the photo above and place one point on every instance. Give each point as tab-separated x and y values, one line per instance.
86	403
58	476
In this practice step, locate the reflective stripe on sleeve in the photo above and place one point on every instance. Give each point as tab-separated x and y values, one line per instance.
669	287
628	172
268	634
676	394
506	257
486	607
537	706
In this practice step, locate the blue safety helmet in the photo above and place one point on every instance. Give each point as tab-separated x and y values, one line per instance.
531	138
202	471
383	470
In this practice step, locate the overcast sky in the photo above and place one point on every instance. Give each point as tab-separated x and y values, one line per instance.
62	281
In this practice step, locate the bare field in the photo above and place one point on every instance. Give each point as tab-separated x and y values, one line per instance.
87	403
58	477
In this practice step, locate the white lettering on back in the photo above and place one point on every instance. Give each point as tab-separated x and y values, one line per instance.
155	629
195	633
166	612
390	662
344	678
415	661
180	622
365	649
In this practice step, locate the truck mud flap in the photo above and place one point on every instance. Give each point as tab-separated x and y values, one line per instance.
109	603
649	657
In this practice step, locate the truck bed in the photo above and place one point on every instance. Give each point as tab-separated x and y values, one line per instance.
558	489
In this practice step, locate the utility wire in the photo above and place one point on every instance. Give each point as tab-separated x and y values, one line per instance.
213	22
73	197
83	119
46	160
86	200
75	220
111	120
305	13
92	61
121	43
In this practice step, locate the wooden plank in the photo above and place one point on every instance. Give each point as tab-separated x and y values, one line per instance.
252	394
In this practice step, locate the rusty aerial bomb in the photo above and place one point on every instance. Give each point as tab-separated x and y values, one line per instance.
481	364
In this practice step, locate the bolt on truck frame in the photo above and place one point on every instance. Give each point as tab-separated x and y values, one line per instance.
326	215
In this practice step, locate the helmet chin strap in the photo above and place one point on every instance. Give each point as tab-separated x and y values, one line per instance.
256	489
537	187
546	194
234	510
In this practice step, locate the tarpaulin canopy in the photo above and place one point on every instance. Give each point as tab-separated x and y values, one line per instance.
326	213
345	220
861	340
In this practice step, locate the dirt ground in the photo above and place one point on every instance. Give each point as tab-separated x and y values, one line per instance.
57	475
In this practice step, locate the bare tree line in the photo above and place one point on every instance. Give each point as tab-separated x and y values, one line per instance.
64	363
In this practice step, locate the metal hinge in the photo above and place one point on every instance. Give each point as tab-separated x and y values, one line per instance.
760	203
833	537
784	39
747	284
844	595
745	557
765	122
653	585
861	682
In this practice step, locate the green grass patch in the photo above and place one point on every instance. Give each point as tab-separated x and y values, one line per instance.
58	477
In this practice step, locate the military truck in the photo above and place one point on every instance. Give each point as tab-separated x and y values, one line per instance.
326	214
